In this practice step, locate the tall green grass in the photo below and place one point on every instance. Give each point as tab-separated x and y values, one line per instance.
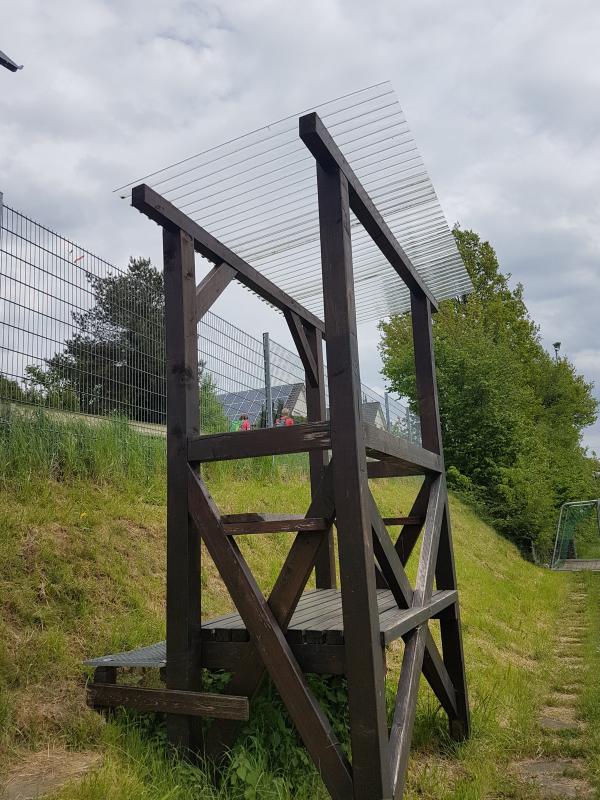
40	444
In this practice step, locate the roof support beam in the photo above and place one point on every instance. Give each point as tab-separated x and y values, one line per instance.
320	143
154	206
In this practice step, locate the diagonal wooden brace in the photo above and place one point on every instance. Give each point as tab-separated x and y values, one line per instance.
283	600
269	641
413	662
393	571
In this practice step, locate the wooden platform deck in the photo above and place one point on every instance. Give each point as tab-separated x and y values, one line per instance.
316	633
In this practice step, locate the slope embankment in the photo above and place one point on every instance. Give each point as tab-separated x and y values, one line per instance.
82	573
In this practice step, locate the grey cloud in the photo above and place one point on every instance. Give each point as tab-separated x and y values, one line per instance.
500	96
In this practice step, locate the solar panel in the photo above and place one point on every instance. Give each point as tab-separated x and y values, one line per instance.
257	193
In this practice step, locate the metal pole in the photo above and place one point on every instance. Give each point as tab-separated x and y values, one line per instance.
387	412
408	426
268	396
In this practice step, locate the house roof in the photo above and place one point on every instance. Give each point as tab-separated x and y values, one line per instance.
370	410
252	401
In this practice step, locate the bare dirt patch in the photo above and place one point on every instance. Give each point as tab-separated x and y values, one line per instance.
41	773
560	778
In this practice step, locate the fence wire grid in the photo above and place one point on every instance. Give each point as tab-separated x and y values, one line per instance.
81	337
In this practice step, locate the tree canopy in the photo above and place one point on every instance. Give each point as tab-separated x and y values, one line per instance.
512	415
115	362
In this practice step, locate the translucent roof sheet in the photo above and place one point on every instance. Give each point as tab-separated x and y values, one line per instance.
257	193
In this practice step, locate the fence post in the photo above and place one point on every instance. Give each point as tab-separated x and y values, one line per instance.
388	421
268	397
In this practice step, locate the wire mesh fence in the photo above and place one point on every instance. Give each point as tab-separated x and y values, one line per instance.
81	337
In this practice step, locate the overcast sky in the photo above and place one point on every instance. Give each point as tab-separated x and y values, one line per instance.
502	98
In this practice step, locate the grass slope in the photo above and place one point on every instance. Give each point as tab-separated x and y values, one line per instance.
82	573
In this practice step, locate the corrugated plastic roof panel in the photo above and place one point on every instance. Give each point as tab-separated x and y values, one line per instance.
258	195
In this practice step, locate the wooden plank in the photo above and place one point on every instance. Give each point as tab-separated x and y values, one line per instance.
394	629
157	208
389	521
269	640
234	526
384	445
183	545
324	659
316	411
261	442
169	701
364	661
406	705
211	287
412	663
300	338
431	436
330	158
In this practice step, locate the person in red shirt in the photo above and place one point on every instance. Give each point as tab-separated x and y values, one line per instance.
285	420
245	426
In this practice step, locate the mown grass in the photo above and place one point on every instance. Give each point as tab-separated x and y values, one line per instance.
82	573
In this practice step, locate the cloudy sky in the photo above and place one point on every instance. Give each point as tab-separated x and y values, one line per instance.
502	99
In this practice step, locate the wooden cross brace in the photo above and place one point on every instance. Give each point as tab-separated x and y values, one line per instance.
267	621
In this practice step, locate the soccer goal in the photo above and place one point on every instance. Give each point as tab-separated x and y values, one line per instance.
577	544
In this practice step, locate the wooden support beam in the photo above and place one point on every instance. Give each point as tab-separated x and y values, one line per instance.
168	701
364	661
431	436
183	544
157	208
269	640
392	570
412	664
300	338
316	411
406	458
212	286
330	158
384	445
260	442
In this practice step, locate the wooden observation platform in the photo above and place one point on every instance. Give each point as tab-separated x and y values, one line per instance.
293	631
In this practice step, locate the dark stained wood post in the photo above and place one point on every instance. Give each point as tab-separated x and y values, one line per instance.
364	661
183	543
316	411
431	436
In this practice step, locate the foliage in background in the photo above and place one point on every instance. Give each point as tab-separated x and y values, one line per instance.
512	415
115	362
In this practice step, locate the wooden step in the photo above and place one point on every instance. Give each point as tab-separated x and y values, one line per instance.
171	701
235	524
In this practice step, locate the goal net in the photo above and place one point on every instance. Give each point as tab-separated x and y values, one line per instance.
577	533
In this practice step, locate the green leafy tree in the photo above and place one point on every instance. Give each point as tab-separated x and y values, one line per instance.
512	416
115	362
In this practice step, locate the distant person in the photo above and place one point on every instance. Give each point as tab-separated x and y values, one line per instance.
241	424
285	420
244	422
